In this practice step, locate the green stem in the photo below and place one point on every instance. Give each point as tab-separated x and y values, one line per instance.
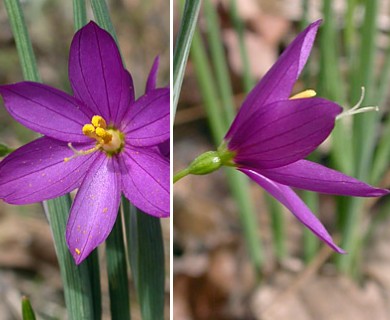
181	174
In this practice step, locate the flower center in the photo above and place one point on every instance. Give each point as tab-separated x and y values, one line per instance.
109	140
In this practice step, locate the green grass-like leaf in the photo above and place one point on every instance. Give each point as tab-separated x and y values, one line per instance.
182	48
27	310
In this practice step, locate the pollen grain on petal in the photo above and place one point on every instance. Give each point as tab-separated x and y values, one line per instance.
77	250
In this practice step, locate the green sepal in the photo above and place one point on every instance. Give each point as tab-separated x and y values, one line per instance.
205	163
211	161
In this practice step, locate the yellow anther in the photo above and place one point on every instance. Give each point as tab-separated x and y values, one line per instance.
99	122
102	133
304	94
89	130
77	251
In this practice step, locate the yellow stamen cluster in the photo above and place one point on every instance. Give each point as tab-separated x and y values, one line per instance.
97	130
108	140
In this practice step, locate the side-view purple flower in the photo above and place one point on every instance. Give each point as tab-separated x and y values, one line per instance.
273	133
100	140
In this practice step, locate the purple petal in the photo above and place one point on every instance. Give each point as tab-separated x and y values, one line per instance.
152	78
278	83
165	148
94	209
145	180
283	132
308	175
97	75
148	120
37	171
46	110
297	207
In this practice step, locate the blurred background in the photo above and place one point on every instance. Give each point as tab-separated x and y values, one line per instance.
285	273
27	258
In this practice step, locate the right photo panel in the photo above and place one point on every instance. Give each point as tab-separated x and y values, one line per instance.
281	146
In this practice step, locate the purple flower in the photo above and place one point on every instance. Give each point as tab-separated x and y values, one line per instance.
272	133
100	140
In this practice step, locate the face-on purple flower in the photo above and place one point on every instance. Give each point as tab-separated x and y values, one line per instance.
272	133
100	140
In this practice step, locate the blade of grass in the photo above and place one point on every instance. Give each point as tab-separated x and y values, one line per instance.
330	85
79	14
311	243
80	20
77	289
4	150
93	267
382	155
239	27
117	272
238	183
277	226
364	139
76	279
102	16
22	40
219	61
27	310
182	48
147	261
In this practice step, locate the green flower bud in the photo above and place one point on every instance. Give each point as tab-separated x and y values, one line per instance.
205	163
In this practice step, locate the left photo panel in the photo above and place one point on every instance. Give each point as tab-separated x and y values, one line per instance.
85	159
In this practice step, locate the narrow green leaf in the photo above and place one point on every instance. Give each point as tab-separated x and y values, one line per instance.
4	150
237	182
93	267
79	14
102	15
311	243
277	226
331	86
219	61
22	40
117	272
182	48
364	139
76	279
27	310
365	124
239	27
381	160
146	253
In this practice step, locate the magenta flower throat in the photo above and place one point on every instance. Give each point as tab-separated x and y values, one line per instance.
100	140
273	133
